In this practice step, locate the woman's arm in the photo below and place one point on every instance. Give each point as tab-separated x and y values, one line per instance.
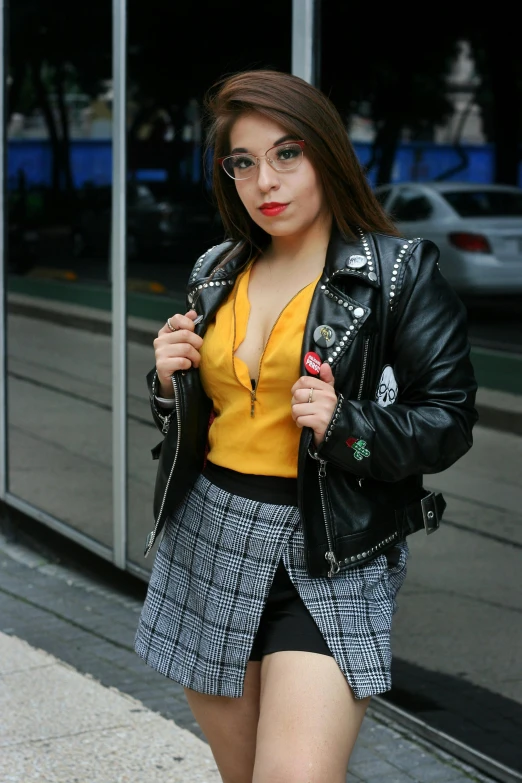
430	427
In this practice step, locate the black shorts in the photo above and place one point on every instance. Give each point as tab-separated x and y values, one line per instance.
286	623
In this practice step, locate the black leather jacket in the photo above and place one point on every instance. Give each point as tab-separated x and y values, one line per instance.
406	394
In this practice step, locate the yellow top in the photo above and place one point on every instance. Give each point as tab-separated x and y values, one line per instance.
253	431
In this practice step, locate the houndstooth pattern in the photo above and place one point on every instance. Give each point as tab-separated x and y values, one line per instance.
210	580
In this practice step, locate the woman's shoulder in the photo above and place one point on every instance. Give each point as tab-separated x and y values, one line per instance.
394	250
208	260
391	242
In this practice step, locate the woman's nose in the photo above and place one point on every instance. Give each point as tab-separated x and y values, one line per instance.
267	176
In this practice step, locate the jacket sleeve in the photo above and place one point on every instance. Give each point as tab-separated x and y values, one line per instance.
161	416
430	426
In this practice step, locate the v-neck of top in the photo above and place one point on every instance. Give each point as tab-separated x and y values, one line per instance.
253	430
242	309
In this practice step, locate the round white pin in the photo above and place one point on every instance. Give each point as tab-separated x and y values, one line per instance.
356	262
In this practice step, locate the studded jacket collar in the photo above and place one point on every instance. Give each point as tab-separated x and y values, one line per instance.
405	386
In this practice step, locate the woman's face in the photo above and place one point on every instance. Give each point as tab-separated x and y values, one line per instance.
299	191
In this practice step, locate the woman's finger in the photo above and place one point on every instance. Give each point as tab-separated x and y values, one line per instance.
181	337
307	382
178	321
169	351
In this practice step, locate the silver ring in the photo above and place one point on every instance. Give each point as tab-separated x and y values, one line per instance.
311	395
172	328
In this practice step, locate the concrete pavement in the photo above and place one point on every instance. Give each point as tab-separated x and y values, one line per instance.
59	726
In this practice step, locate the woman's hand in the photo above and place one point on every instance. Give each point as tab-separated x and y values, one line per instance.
176	350
317	413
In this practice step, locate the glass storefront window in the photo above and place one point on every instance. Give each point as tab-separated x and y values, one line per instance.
58	188
455	631
177	220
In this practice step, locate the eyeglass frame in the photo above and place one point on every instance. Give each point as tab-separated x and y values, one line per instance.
300	142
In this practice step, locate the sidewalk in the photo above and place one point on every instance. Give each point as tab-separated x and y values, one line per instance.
59	725
78	706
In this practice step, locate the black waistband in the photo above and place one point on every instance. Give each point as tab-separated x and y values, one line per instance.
263	489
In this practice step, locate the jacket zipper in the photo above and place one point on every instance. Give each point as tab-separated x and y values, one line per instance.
366	349
254	383
253	397
152	535
330	555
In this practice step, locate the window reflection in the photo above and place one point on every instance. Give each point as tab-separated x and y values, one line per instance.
454	633
59	153
165	155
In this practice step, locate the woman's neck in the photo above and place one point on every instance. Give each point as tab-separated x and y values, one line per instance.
306	250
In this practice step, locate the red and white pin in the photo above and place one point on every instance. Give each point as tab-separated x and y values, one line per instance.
312	363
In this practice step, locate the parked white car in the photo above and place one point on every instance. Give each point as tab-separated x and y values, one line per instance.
478	229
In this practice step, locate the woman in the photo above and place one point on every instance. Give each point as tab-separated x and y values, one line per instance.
321	369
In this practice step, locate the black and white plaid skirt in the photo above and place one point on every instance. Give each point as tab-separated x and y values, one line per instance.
210	580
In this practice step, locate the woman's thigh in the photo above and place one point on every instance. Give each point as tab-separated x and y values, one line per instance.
230	726
308	720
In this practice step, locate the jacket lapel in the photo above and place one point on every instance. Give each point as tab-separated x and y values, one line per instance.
332	307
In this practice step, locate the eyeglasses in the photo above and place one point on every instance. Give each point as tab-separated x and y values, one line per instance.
283	157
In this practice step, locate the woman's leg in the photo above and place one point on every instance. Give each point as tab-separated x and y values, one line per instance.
308	722
230	726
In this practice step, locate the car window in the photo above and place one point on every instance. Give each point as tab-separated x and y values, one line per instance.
410	205
485	203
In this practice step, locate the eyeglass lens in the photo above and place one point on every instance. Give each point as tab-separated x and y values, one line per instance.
283	157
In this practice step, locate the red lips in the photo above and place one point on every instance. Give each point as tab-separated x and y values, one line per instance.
272	208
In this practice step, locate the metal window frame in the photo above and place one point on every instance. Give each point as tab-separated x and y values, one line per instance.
3	271
306	40
118	265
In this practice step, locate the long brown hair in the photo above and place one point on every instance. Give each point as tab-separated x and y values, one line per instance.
302	110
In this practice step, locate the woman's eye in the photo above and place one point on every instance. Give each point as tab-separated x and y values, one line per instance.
243	163
288	153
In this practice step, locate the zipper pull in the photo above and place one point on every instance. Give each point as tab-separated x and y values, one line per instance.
360	480
334	565
252	398
166	424
322	468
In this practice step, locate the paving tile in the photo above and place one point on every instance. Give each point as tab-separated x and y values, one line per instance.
434	771
394	777
373	768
